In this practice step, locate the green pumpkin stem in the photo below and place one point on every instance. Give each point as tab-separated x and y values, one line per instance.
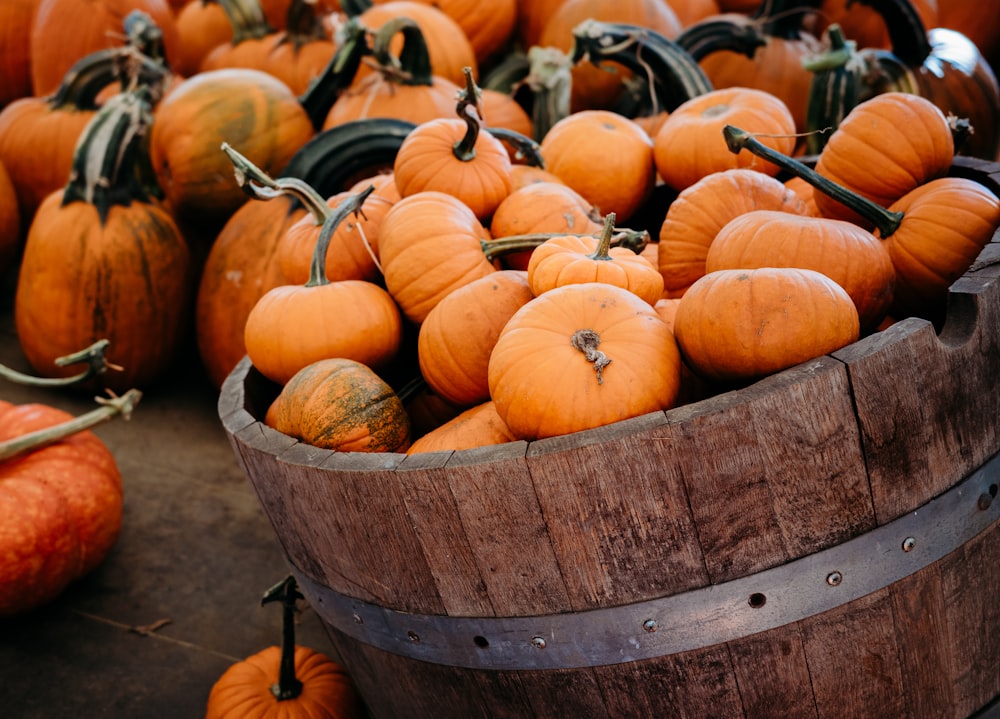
604	241
413	65
93	355
302	24
350	204
338	74
93	73
261	186
526	148
468	109
634	240
286	592
247	19
887	222
112	406
739	35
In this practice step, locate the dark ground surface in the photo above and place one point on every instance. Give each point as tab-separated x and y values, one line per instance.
195	554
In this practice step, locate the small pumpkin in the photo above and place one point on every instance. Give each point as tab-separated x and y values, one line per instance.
582	356
688	145
737	326
341	404
455	156
293	326
287	680
575	259
695	217
457	337
61	499
478	426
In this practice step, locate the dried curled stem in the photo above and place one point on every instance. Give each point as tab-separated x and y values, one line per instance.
587	341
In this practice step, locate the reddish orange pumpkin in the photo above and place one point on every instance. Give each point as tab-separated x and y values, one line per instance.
61	508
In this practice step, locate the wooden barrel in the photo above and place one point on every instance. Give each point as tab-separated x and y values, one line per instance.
822	543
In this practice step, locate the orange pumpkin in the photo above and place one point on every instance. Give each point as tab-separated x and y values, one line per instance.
689	144
478	426
582	356
16	17
605	157
454	156
695	217
202	26
457	337
576	259
293	326
342	405
60	497
741	325
103	261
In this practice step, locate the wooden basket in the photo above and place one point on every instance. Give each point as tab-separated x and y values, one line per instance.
822	543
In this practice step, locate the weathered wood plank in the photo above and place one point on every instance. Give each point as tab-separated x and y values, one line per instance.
772	674
774	471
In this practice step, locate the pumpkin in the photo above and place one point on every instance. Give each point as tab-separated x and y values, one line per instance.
478	426
457	337
865	26
980	22
61	499
688	145
296	55
402	87
293	326
102	260
933	233
61	34
605	157
950	71
341	404
582	356
202	26
575	259
247	108
849	255
905	136
10	223
737	325
695	217
285	681
448	47
454	156
16	17
776	67
594	88
430	244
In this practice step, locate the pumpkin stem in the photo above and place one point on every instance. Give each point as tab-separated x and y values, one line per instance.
94	357
587	341
91	74
907	33
338	74
110	161
834	88
286	592
302	25
604	241
525	148
110	407
738	35
143	34
887	222
261	186
468	110
350	204
783	18
635	240
413	66
247	18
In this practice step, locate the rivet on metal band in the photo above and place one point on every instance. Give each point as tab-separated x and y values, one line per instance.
691	620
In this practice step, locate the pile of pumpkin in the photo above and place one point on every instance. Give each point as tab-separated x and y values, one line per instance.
433	146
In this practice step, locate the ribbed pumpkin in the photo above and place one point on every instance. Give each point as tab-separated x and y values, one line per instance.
342	405
103	261
61	499
905	136
695	217
202	26
478	426
578	259
456	156
740	325
285	681
689	144
250	110
849	255
582	356
293	326
457	337
430	244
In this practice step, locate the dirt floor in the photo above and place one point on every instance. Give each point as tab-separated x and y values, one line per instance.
177	601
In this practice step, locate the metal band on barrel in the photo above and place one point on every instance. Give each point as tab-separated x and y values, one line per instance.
682	622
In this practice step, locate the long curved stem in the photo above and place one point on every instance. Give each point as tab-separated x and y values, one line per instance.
110	407
350	204
468	110
634	240
261	186
93	355
887	222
